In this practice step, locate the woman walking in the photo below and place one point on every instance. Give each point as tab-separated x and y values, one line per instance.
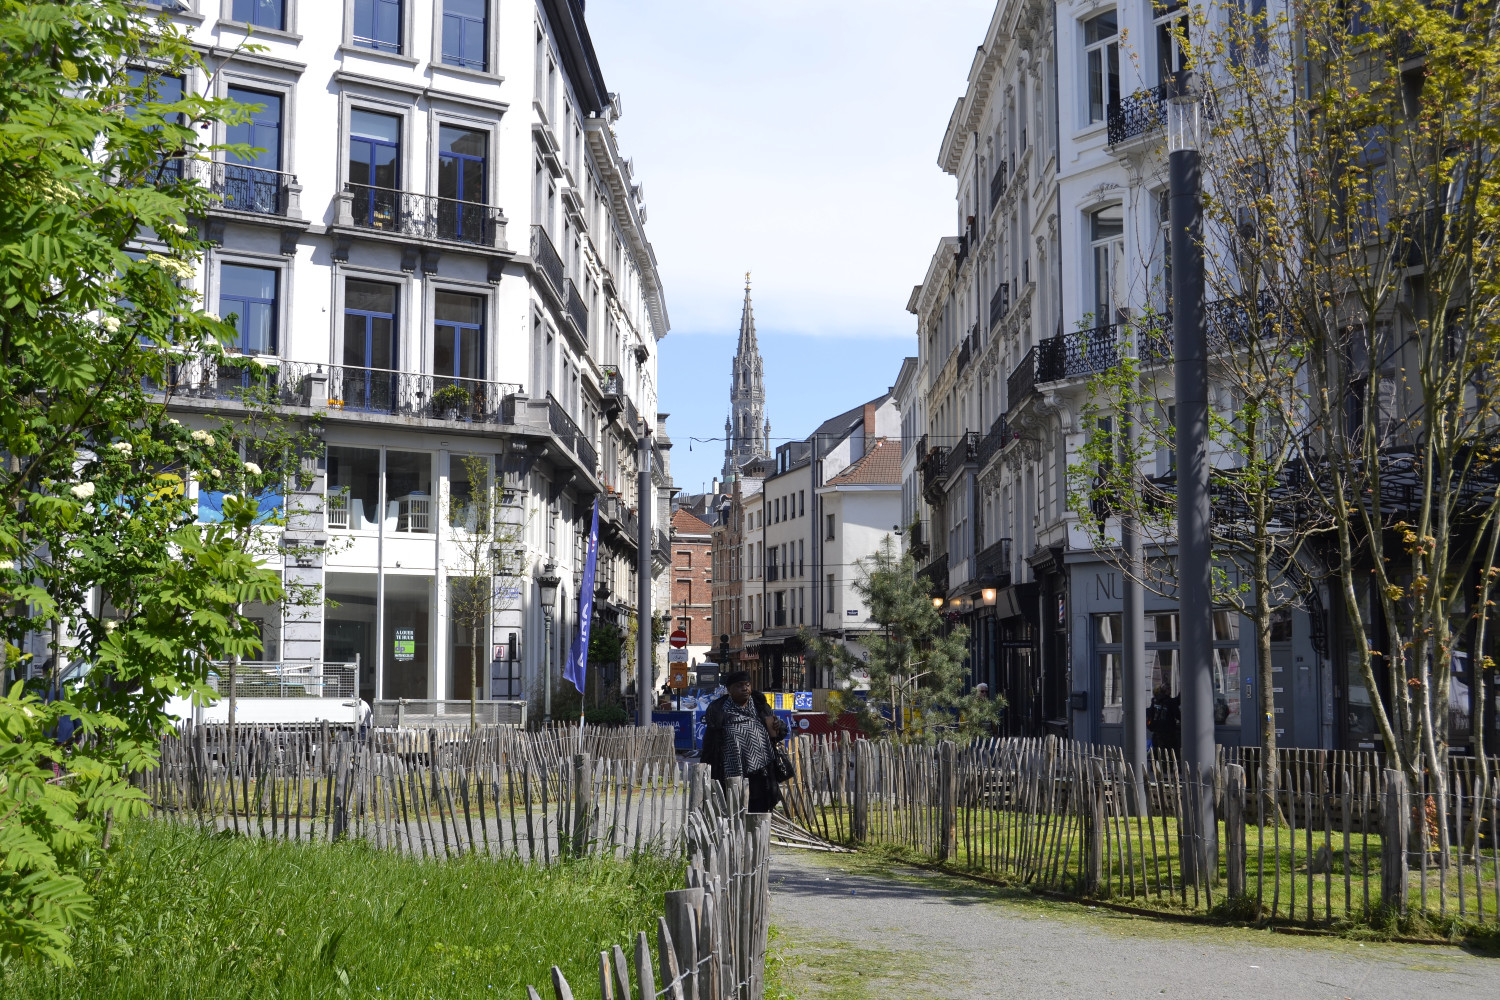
737	741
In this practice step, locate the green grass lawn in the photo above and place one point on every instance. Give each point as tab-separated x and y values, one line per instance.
185	914
1141	865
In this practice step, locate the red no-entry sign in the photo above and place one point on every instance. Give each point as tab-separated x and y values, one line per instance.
678	639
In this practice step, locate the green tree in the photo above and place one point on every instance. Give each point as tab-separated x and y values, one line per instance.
98	541
916	662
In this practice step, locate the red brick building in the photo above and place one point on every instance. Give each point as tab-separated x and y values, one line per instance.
693	583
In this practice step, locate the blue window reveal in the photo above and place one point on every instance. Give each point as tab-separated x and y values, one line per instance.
375	168
252	179
261	13
247	299
377	25
458	336
461	170
369	346
463	33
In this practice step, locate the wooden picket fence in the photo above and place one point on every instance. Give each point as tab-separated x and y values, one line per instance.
1341	837
711	944
434	793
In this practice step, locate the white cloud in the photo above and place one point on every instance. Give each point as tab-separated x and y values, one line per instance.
796	140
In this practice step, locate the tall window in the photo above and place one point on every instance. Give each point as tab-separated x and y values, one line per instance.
1171	24
461	170
247	300
377	25
251	179
159	89
261	13
458	336
366	382
375	167
464	33
1102	54
1106	242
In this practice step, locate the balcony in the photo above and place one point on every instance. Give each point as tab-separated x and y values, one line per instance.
1137	115
572	438
409	394
999	304
235	378
965	354
243	188
931	467
1021	382
423	216
1074	353
998	181
993	564
997	438
960	454
937	575
578	313
544	255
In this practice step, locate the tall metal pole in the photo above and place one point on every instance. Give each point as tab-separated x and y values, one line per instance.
1195	602
547	670
645	646
1133	614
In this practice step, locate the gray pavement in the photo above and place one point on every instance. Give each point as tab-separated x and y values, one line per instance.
848	929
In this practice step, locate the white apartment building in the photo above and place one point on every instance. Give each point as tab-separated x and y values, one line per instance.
796	536
1057	151
437	250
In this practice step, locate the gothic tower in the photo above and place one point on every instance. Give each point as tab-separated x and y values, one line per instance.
747	432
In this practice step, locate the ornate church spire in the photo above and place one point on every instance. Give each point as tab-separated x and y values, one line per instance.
745	438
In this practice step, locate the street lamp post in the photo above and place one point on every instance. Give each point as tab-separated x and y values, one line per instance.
548	583
1190	350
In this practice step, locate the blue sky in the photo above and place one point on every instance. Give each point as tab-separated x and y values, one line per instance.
797	140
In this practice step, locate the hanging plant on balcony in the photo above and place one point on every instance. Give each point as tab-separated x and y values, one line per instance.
450	399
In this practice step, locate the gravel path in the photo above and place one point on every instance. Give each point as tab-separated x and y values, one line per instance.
849	929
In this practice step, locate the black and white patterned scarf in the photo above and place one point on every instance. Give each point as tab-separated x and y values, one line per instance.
747	745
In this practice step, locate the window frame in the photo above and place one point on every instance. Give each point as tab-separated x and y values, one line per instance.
491	43
485	294
288	29
403	32
1104	47
280	313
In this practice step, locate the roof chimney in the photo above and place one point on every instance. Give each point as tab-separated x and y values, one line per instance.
869	424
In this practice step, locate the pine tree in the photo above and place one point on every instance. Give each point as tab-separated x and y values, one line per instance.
915	662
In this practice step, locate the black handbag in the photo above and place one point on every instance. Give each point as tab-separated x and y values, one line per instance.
781	764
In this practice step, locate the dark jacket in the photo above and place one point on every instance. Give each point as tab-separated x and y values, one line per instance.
712	753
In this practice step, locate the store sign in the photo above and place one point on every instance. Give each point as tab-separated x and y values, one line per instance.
406	644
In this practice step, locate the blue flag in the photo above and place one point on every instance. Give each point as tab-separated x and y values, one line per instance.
578	658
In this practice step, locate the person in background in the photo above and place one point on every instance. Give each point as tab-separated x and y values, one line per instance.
982	690
1164	721
737	740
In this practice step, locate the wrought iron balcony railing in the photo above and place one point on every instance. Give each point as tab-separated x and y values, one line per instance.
244	188
992	565
1137	114
1073	353
1021	382
236	378
577	311
545	257
960	454
425	216
610	383
998	181
1000	303
444	397
931	468
965	353
997	438
572	438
